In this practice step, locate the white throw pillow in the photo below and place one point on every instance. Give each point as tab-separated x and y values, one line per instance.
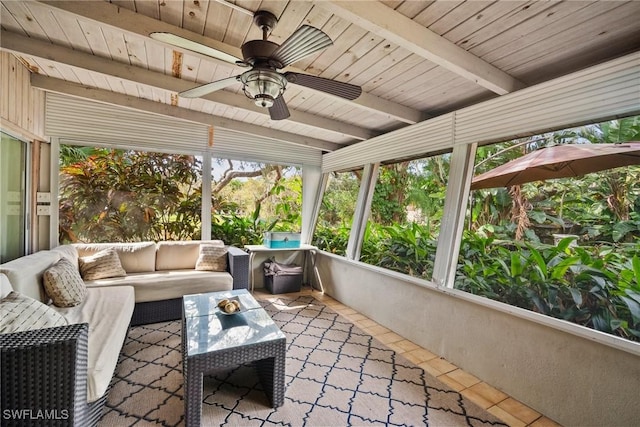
101	265
212	258
63	284
21	313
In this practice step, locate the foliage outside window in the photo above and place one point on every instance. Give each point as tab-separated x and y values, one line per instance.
509	252
336	212
251	198
111	195
568	248
406	211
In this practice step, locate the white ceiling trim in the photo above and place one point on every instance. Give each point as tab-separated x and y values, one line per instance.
236	145
414	141
382	20
50	84
81	120
599	93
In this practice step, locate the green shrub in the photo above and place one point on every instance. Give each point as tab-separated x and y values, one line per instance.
596	286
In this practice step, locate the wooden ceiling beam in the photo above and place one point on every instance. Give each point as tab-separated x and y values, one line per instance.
51	84
128	21
22	45
395	27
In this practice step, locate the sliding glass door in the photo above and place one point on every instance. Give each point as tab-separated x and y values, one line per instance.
13	196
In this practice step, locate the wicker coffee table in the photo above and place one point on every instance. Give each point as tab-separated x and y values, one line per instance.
212	340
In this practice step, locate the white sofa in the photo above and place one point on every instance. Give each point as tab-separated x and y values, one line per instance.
68	368
161	273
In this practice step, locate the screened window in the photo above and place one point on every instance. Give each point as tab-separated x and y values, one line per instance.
567	247
406	211
336	211
250	198
110	195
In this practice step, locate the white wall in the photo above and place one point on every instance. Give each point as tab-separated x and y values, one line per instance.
21	106
571	374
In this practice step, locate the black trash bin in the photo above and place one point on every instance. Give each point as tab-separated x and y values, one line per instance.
282	278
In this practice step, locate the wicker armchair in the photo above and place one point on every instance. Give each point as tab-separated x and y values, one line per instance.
44	378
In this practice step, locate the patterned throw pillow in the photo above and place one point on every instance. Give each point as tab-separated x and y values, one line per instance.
212	258
101	265
21	313
63	284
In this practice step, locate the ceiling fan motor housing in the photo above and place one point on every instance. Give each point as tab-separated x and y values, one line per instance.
258	52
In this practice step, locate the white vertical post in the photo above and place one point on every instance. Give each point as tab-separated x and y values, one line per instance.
313	183
206	196
362	211
455	208
54	210
29	194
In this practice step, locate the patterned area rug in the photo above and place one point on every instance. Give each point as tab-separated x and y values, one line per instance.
337	375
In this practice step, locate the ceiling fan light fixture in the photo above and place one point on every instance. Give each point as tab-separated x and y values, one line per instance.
263	86
263	83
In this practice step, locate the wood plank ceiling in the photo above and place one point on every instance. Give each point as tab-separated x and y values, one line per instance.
413	59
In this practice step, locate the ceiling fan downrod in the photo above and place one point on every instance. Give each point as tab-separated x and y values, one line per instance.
266	21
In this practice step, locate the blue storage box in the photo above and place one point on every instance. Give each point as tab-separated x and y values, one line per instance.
281	239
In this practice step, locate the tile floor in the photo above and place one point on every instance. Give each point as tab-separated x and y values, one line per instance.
493	400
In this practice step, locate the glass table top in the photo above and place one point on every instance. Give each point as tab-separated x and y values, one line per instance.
201	304
208	329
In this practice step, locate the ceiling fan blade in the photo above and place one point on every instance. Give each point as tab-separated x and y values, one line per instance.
333	87
305	41
279	109
199	91
187	44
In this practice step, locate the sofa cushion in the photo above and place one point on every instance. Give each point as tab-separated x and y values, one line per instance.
25	273
5	286
180	255
69	252
101	265
135	257
212	258
21	313
170	284
63	284
108	312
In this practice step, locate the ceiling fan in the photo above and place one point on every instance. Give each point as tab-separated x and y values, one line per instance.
263	83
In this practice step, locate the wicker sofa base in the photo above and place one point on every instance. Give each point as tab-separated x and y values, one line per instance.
156	311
